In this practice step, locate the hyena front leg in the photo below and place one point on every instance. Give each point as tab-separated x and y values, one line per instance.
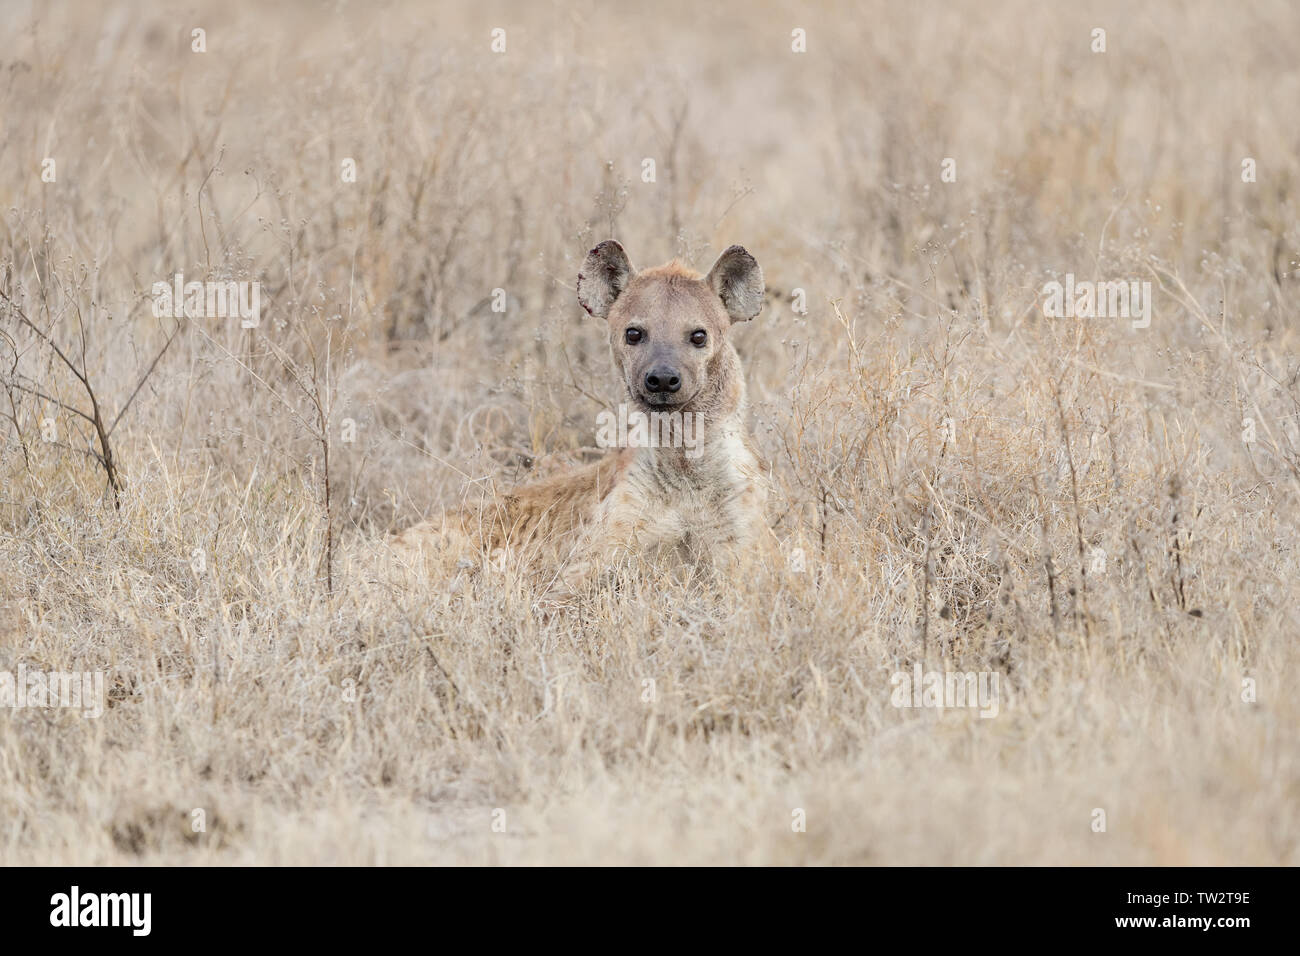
608	542
599	551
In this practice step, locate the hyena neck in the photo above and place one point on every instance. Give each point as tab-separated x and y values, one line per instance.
710	446
714	428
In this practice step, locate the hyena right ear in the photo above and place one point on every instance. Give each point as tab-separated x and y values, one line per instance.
605	274
738	281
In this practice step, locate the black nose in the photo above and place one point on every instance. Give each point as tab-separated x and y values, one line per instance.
662	379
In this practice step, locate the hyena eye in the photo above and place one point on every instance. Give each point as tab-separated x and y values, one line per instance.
633	336
698	338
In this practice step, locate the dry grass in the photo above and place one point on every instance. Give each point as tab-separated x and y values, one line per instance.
385	721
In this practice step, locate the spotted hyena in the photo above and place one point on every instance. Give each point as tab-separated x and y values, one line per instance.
697	496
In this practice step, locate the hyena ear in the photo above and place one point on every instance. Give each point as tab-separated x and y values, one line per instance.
738	282
605	274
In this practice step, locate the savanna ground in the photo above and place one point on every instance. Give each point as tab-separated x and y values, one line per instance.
1076	505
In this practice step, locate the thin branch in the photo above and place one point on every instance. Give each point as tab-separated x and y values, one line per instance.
144	378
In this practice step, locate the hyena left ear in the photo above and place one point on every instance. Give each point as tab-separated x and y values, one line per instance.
738	282
605	274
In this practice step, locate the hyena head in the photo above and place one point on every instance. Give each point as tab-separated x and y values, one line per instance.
668	326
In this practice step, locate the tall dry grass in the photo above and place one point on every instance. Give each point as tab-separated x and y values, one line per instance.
958	480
